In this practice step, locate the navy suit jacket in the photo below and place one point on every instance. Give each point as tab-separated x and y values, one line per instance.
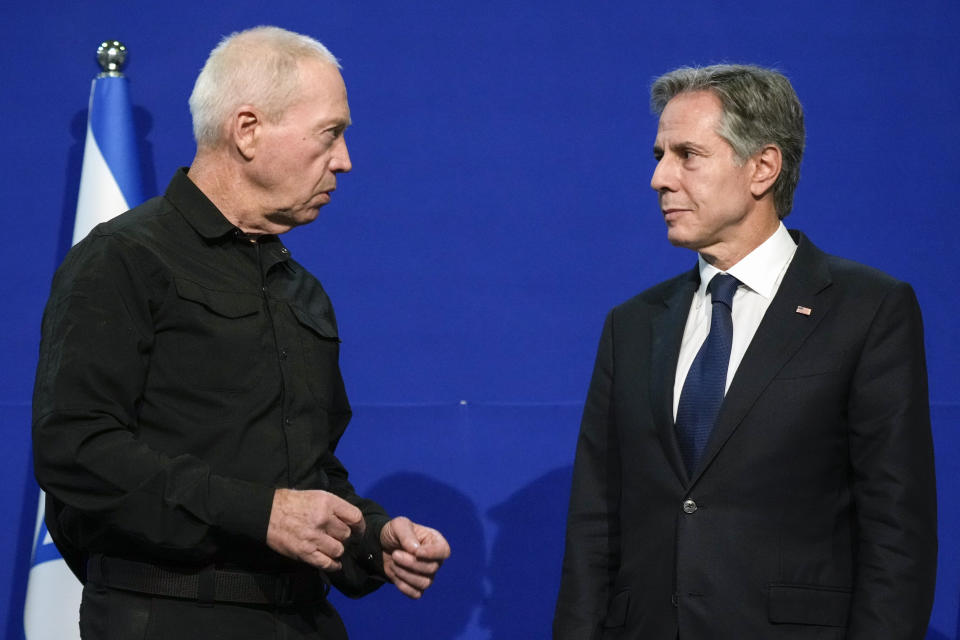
813	511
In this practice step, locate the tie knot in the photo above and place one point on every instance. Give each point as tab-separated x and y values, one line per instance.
722	287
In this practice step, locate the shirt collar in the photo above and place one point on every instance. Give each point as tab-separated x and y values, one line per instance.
208	222
759	270
196	208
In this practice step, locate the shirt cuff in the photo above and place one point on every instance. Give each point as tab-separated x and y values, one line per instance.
370	556
241	507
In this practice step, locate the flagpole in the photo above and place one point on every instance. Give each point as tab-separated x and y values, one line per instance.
110	183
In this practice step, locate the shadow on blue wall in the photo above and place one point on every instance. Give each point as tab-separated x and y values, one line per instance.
446	608
525	562
513	591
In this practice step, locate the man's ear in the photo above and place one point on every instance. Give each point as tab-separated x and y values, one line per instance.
767	164
245	129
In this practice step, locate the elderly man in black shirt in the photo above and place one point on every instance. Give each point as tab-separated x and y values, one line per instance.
189	399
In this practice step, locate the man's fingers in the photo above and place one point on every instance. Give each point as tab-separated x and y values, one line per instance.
332	528
312	526
330	547
410	583
402	534
349	514
409	591
319	559
433	546
336	516
412	555
319	550
414	564
331	514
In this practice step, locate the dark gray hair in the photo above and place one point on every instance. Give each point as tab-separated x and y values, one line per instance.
760	107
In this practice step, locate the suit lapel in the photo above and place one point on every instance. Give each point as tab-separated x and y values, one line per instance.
667	333
781	333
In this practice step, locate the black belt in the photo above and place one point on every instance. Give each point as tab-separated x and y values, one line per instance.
209	584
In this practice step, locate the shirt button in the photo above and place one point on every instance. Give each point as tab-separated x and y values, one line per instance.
287	421
283	354
689	506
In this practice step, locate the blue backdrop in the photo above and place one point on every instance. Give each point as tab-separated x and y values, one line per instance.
499	205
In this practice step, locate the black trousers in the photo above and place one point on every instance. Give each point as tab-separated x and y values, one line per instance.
113	614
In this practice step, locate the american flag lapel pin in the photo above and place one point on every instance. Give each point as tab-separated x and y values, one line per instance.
804	311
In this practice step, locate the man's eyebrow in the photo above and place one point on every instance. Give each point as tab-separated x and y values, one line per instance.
681	145
334	123
686	144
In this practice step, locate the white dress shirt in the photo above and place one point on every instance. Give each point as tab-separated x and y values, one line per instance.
760	273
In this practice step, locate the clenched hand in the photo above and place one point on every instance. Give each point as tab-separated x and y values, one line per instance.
312	526
412	555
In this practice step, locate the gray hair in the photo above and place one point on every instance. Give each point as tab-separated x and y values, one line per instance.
259	67
760	107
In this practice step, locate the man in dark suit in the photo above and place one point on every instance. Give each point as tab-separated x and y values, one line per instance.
755	457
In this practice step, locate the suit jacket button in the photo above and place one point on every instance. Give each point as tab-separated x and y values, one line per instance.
689	506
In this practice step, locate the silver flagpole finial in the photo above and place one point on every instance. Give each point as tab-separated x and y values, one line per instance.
111	54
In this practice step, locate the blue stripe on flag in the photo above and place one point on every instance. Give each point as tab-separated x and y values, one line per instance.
44	552
111	121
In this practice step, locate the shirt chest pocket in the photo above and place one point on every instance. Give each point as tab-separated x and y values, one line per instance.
219	339
321	350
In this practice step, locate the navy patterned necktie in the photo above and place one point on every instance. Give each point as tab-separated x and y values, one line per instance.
703	389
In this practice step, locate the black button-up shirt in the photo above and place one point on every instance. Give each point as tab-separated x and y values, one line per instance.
185	373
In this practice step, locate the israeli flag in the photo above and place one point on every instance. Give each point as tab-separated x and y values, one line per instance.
110	184
110	179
